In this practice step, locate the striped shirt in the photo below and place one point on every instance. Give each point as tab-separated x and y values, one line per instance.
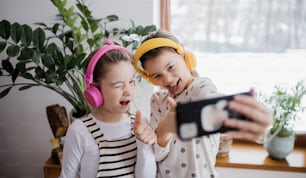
118	157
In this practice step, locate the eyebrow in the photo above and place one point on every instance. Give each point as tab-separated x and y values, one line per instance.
166	66
120	82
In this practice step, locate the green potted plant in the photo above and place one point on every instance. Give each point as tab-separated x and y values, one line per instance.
286	104
54	56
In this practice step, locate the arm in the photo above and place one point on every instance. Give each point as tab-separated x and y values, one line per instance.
143	131
167	126
164	128
145	164
71	153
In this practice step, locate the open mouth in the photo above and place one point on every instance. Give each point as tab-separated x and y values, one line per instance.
172	89
124	103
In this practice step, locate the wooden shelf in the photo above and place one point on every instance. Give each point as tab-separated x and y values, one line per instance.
254	156
51	169
242	155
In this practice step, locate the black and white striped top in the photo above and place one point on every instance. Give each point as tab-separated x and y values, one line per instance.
118	157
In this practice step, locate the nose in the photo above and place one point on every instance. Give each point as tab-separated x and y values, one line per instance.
128	90
168	78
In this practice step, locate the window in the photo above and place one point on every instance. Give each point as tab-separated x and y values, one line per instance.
244	44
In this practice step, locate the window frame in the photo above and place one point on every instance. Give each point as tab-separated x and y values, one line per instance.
165	17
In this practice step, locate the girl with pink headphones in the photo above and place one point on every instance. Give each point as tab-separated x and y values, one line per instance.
102	144
161	60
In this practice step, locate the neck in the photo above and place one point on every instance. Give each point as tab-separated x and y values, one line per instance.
109	116
186	86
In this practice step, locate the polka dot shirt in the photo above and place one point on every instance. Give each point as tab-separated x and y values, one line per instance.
193	158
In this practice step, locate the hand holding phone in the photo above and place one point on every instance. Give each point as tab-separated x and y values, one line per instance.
204	117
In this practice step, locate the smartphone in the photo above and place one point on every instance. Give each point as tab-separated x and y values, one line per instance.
204	117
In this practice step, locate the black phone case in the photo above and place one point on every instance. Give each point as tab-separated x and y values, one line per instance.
188	117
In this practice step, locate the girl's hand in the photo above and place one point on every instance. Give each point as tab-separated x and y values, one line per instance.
167	125
143	131
260	115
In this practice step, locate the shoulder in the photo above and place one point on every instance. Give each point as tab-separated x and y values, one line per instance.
77	127
203	82
159	96
159	103
203	87
77	124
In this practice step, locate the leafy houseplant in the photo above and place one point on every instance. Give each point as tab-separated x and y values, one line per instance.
54	56
286	104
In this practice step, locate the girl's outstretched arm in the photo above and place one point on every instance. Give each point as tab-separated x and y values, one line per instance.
260	115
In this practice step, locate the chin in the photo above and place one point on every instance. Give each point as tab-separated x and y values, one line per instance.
125	108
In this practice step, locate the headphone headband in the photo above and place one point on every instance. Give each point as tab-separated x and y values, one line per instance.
108	46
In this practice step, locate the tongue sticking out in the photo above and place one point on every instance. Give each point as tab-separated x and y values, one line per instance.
172	89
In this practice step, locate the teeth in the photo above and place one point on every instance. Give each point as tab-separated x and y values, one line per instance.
124	102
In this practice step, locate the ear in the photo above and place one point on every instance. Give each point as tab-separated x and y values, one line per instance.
95	84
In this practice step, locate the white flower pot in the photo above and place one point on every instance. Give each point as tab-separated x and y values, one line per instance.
279	147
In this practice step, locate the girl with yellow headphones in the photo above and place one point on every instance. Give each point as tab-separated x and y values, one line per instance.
161	60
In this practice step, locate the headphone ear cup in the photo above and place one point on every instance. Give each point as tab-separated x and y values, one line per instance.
152	81
190	60
93	96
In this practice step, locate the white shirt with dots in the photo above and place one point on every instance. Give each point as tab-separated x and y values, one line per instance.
184	159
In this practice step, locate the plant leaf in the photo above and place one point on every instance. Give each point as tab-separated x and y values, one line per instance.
7	66
112	18
27	35
26	53
41	24
139	29
16	32
20	66
12	51
5	29
25	87
15	74
55	28
51	77
36	57
84	24
2	46
148	29
39	38
48	61
5	92
39	73
28	76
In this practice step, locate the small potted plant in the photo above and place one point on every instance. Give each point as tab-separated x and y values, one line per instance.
286	104
54	56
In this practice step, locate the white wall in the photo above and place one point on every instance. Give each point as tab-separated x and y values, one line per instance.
24	128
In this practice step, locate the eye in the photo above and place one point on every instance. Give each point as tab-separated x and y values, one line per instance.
171	67
118	85
132	82
156	77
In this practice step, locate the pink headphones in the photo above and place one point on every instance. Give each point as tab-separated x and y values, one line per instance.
92	94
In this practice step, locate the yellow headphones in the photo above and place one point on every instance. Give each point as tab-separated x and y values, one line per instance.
153	43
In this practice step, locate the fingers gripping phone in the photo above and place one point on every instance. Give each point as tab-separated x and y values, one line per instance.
204	117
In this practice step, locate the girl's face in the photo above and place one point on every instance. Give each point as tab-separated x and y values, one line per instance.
169	71
118	87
